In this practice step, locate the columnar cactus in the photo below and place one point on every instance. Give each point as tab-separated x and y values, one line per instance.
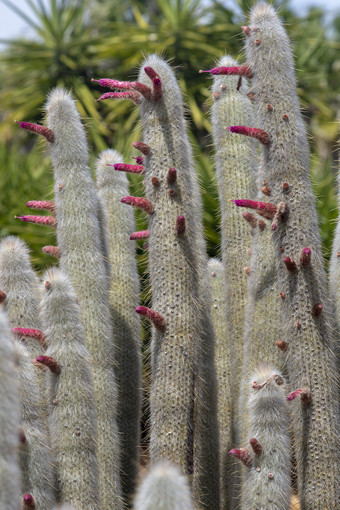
21	285
9	419
72	408
334	272
37	464
263	330
176	262
236	163
223	361
163	488
301	276
124	294
268	481
235	170
81	259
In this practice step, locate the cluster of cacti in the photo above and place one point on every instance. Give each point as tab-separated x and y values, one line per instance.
228	337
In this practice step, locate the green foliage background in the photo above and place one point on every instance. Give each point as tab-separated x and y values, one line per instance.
73	41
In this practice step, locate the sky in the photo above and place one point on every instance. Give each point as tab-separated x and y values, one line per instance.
11	25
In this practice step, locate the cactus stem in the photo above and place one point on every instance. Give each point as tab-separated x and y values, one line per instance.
123	167
142	89
141	203
243	455
316	309
171	176
54	251
153	316
2	296
39	130
131	94
305	257
33	333
142	234
113	84
265	209
49	362
144	148
41	220
262	224
290	264
242	70
257	133
256	446
250	218
282	345
303	393
180	226
28	502
46	205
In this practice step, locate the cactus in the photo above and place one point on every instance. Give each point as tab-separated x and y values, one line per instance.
334	272
223	361
310	361
124	292
95	232
235	171
163	488
37	463
9	420
21	285
72	414
268	483
82	261
176	262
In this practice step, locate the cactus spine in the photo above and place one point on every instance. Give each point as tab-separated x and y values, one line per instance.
268	483
82	261
9	420
163	488
310	362
72	414
124	292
